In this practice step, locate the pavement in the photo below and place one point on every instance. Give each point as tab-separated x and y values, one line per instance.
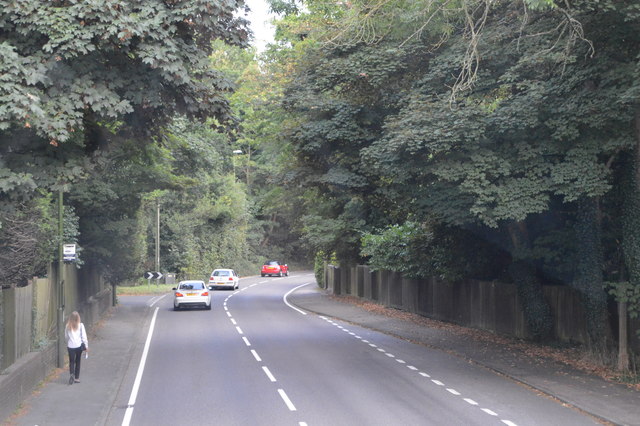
115	349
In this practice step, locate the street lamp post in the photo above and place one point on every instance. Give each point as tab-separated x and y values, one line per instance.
60	285
233	161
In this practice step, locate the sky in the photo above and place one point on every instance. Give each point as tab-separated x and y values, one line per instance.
262	30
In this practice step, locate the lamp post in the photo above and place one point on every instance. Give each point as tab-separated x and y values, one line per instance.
60	285
233	161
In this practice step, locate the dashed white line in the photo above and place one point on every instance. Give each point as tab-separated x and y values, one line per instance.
489	412
453	391
255	355
470	401
286	400
268	373
437	382
239	330
246	341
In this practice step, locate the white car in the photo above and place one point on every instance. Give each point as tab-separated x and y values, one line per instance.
191	293
226	278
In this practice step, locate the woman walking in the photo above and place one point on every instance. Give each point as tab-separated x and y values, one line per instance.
77	342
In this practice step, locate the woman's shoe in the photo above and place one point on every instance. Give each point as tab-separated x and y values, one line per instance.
76	381
71	379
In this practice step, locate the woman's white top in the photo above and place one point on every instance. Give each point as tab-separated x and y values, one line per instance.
75	338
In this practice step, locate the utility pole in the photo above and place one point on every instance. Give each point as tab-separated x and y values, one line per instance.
60	284
157	237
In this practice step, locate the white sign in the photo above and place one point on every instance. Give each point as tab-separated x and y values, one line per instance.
69	252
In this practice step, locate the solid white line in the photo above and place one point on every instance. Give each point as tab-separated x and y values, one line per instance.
136	383
286	400
268	373
286	302
157	300
255	355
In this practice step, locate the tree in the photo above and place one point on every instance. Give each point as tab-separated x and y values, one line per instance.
84	81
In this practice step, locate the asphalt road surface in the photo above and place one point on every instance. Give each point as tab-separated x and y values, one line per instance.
255	359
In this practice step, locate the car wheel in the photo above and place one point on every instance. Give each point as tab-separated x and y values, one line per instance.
286	274
280	274
262	275
176	308
208	307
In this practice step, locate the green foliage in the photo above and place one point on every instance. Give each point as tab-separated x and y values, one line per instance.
628	293
66	62
422	250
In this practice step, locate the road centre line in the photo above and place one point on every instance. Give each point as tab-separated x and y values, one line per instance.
286	400
246	341
268	373
255	355
136	384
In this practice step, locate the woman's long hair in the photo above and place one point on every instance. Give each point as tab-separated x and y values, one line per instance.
74	321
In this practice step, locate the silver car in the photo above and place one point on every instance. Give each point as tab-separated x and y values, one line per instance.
226	278
191	293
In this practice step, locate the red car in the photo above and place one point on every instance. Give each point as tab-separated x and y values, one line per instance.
273	267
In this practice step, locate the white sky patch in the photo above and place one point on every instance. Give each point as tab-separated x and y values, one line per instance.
262	29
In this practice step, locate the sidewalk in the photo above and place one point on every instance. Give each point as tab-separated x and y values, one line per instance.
112	345
606	401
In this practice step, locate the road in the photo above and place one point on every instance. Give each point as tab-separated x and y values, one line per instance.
255	359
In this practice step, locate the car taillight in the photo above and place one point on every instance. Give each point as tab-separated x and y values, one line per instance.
179	294
206	293
230	278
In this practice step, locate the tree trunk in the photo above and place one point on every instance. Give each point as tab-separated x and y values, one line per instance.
536	309
623	346
631	222
588	278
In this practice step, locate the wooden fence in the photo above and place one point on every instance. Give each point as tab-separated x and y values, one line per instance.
28	327
486	305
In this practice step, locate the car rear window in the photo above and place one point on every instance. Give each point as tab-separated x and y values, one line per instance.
272	263
192	286
221	273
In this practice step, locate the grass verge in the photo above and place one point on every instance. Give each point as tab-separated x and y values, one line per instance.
139	290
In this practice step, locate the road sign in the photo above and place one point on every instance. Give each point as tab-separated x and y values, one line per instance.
69	252
152	275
